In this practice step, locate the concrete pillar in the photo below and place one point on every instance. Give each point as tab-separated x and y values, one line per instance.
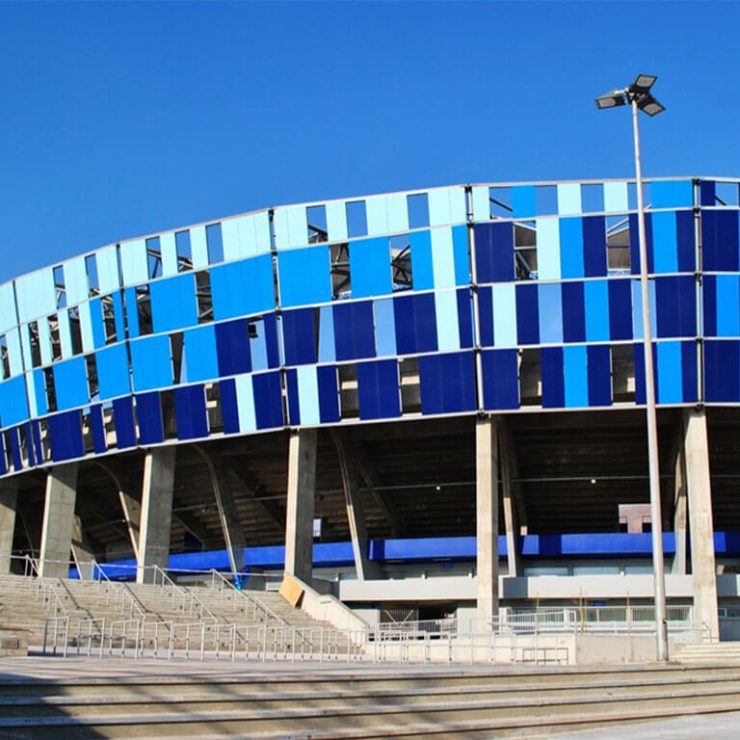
678	566
509	489
300	506
82	552
486	495
156	512
59	514
8	507
701	528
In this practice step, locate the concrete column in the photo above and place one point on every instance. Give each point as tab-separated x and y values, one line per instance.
8	507
156	512
486	494
508	472
678	566
82	552
300	506
703	566
59	514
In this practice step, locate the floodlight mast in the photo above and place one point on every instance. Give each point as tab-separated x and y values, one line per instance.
638	96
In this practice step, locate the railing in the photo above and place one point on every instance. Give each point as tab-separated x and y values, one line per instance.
189	602
260	612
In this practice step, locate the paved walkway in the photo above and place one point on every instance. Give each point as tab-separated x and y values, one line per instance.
690	727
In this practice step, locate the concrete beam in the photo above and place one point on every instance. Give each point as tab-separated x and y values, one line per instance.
486	520
247	482
58	523
8	508
131	510
510	493
300	507
156	512
82	551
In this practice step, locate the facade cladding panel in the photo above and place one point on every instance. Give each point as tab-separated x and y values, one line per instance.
483	298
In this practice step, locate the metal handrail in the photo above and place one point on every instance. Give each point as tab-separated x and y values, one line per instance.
250	597
186	594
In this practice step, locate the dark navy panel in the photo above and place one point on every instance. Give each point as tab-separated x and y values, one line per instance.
299	337
574	316
553	386
294	409
232	347
98	428
635	243
15	449
447	383
416	324
190	412
500	379
594	246
354	330
378	389
465	317
3	456
686	241
599	375
271	340
527	314
229	406
326	377
35	436
721	371
65	432
689	371
494	252
707	193
709	290
149	416
675	299
620	309
268	400
719	241
485	316
123	419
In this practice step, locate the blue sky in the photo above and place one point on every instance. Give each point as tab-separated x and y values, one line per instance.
120	119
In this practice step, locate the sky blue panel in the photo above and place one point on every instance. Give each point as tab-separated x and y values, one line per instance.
75	281
173	303
258	345
370	267
385	328
575	371
728	305
671	194
199	247
8	315
70	384
569	199
26	346
242	288
665	253
336	220
524	201
113	373
134	262
168	249
152	365
615	197
39	386
548	249
460	256
86	327
190	412
443	258
65	334
106	261
305	276
200	353
246	236
96	321
245	403
387	214
448	327
637	309
13	338
291	227
571	248
31	395
308	395
422	266
44	341
504	315
670	382
481	203
551	313
36	294
327	351
446	206
13	402
596	300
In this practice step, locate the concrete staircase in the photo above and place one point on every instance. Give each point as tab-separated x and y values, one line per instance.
401	703
710	653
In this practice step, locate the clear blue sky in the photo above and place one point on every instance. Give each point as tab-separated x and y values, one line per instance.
122	119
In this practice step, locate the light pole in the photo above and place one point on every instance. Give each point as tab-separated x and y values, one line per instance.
638	96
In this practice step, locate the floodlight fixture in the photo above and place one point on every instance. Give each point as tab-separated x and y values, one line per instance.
650	105
643	83
611	99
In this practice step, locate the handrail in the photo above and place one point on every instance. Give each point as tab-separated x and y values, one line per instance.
136	604
251	598
186	594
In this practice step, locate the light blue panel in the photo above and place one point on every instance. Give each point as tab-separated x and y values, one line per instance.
670	377
13	401
443	257
504	315
336	220
569	199
370	267
305	276
548	249
308	394
15	356
422	264
168	249
481	203
44	341
173	303
36	402
65	334
106	261
113	371
447	206
387	214
571	248
327	349
672	194
201	358
291	227
70	384
134	263
258	347
615	197
377	216
26	346
550	314
75	281
231	240
665	246
524	201
199	247
637	310
36	295
152	364
246	236
728	303
8	315
86	329
575	372
385	327
596	306
448	328
245	403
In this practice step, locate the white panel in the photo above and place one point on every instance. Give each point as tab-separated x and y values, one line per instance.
86	328
336	220
168	248
443	258
65	334
31	393
569	199
230	239
134	262
36	295
199	247
447	206
308	394
45	342
504	316
615	197
26	347
8	315
548	248
106	260
398	212
15	354
246	236
481	203
75	281
448	329
291	227
387	214
245	403
377	216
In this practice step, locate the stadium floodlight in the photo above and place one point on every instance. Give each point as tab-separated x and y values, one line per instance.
639	98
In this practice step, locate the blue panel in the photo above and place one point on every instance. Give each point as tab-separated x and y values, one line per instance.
96	317
721	371
385	328
672	193
719	231
39	387
149	416
15	449
327	350
242	288
35	435
690	371
190	412
98	428
575	376
727	308
500	379
460	249
271	340
152	365
268	400
65	432
549	297
553	388
3	464
13	401
574	316
173	303
378	389
709	290
132	313
665	242
571	248
294	407
354	332
304	276
421	261
113	373
123	419
594	246
523	201
328	394
599	376
686	241
258	344
670	382
527	314
494	252
707	193
370	267
635	243
465	317
416	325
299	340
675	299
70	384
447	383
229	407
201	356
232	347
118	316
485	316
620	309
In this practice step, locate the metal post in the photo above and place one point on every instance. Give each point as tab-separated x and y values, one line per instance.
661	626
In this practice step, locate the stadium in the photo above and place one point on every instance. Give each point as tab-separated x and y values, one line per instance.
430	403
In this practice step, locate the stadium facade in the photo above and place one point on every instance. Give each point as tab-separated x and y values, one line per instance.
439	391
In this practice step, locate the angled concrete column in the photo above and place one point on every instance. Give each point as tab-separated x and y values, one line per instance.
8	507
678	566
82	552
510	494
486	495
300	507
701	527
59	514
156	512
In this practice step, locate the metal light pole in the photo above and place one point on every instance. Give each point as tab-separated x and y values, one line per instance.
639	98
